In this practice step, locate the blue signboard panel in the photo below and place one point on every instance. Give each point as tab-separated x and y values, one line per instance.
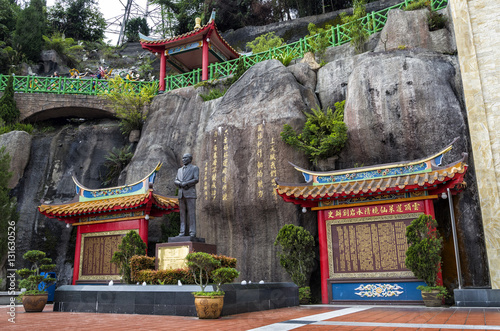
382	291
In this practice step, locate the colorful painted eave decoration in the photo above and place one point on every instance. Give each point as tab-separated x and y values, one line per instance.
434	180
153	43
140	187
421	166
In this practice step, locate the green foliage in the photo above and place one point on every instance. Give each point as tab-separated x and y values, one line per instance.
8	205
139	263
67	48
8	108
284	58
31	277
423	256
296	252
443	292
78	19
134	26
319	39
142	270
8	17
222	276
131	245
213	94
201	265
265	42
130	107
16	127
305	295
30	27
419	4
436	21
355	27
324	133
206	267
116	161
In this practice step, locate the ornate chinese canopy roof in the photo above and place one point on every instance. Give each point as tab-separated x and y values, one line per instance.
423	177
184	52
133	197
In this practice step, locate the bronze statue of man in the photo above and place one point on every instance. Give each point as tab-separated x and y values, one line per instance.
186	179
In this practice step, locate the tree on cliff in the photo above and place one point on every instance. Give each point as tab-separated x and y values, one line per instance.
324	133
78	19
134	26
129	103
9	112
30	27
8	207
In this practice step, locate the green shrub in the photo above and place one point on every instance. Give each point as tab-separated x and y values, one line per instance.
319	39
285	58
116	160
223	275
305	295
132	244
130	106
324	134
423	256
16	127
8	108
139	263
213	94
296	252
265	42
31	278
419	4
355	27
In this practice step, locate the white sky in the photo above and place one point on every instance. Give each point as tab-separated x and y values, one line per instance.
111	9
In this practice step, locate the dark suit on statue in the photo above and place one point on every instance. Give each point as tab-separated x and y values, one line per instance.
186	179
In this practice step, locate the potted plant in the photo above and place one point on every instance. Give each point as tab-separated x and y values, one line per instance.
423	258
35	297
204	267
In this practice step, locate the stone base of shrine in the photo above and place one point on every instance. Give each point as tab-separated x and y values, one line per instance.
477	297
171	299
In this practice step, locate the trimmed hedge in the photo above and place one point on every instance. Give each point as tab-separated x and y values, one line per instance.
143	270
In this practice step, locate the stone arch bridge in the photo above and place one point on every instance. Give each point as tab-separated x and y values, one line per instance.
36	107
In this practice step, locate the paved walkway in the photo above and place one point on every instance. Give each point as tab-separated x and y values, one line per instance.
317	317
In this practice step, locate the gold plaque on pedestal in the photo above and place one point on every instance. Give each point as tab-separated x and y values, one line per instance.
172	257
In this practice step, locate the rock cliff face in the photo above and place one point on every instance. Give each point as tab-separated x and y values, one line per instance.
236	144
400	105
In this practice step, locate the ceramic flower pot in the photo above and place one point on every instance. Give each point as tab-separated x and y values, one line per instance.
34	302
208	307
431	298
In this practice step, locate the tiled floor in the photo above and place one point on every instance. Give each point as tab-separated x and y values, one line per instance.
320	317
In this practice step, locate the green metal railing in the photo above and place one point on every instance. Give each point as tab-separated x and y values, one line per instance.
64	85
373	22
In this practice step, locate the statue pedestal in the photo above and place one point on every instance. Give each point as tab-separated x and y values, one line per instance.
172	255
182	239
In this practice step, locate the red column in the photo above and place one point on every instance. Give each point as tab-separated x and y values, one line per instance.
323	256
163	68
204	60
143	230
76	266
